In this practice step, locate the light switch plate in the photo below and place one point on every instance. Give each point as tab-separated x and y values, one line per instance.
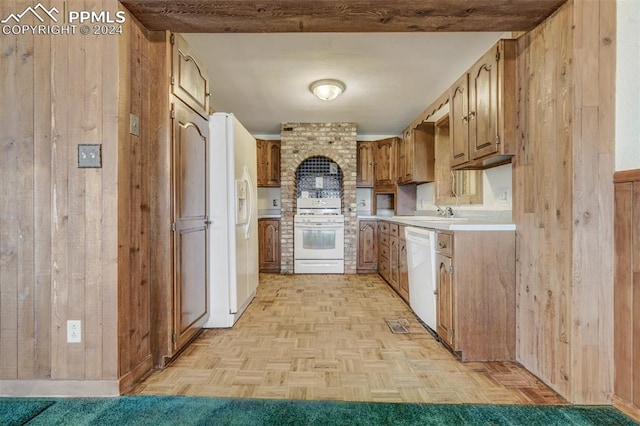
89	155
134	124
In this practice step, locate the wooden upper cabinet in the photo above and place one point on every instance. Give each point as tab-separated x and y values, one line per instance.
268	156
489	114
385	162
416	155
189	80
459	121
364	177
401	150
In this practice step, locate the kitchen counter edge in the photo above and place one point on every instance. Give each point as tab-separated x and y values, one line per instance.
470	225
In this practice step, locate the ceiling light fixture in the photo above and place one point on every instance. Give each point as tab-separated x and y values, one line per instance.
327	89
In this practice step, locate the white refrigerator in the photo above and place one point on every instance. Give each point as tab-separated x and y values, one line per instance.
233	234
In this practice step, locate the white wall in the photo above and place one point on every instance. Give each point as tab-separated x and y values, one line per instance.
265	200
628	86
495	183
363	198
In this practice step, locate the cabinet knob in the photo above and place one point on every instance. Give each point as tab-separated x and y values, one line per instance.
435	292
464	118
472	114
442	245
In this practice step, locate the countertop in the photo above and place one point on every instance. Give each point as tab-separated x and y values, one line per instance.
446	225
438	223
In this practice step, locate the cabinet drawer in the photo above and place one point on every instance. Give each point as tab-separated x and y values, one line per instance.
384	240
383	227
444	243
393	229
383	269
384	251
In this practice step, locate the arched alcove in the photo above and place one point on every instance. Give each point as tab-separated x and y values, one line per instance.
319	177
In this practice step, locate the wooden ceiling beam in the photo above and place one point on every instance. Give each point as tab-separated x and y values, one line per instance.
277	16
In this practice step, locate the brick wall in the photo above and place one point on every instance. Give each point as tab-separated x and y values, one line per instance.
300	141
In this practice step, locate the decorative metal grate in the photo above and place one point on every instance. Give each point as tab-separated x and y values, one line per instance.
319	177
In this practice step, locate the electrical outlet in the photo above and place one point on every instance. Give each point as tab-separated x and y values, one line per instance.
89	156
275	202
504	195
74	332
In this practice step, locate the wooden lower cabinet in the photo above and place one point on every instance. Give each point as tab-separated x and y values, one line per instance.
392	257
383	250
444	314
475	273
367	246
393	262
269	245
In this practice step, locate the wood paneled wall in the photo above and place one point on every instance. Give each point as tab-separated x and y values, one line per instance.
627	287
58	229
143	91
563	200
77	243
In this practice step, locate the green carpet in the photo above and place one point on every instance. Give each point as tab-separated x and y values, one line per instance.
175	410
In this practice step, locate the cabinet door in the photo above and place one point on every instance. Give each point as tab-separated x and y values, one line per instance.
483	106
445	305
268	157
403	144
367	242
385	163
261	154
403	274
273	163
364	177
269	245
393	262
383	250
189	81
409	155
190	138
459	121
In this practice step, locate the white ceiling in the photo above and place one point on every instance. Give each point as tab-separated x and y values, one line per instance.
391	77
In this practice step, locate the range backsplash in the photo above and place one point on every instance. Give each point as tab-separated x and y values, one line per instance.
319	177
300	141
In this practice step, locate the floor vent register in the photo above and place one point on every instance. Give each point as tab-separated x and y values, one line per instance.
398	326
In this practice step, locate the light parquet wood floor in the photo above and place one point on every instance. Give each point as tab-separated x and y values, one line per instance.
324	337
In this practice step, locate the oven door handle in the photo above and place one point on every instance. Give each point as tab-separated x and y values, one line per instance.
312	226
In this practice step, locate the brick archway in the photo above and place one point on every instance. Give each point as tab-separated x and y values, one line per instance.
300	141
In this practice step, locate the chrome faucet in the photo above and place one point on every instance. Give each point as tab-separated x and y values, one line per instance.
447	212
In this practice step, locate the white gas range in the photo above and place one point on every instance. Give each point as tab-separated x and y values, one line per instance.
318	236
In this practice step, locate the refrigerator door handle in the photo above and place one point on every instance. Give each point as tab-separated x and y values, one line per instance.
247	177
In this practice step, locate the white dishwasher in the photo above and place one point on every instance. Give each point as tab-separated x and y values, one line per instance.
421	260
